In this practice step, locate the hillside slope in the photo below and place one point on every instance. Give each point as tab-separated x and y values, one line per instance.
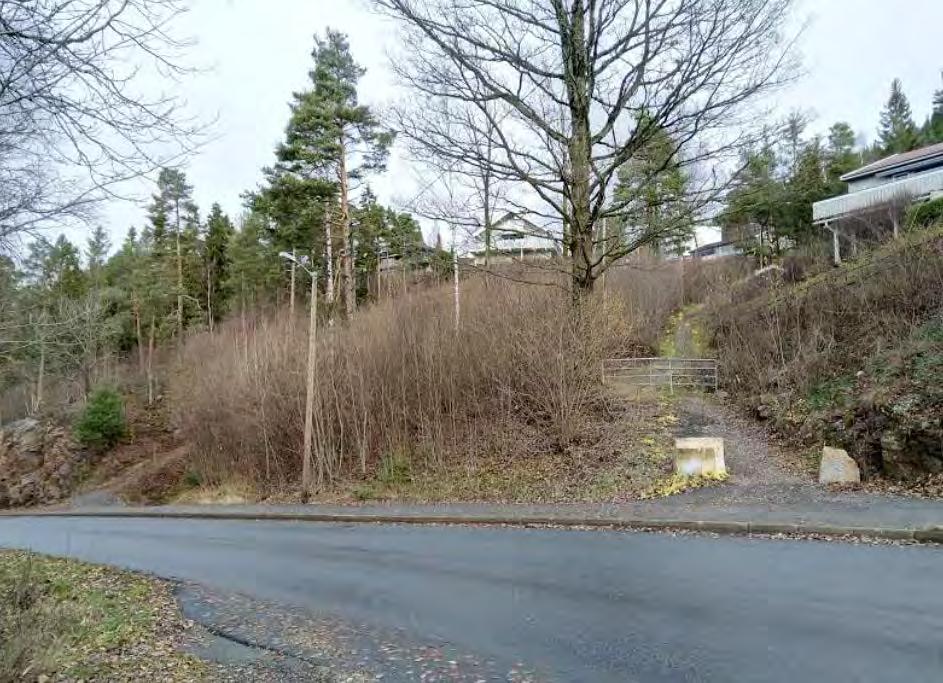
850	357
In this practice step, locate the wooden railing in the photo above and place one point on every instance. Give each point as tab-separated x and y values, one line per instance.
673	373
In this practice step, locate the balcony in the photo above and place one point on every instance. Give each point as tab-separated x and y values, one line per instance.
903	191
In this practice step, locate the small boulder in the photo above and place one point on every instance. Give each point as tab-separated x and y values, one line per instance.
837	467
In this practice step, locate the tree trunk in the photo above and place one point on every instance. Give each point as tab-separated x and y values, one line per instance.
329	263
179	279
580	151
209	296
40	375
347	259
150	364
487	207
136	310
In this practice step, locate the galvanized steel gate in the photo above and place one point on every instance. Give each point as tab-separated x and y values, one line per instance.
673	373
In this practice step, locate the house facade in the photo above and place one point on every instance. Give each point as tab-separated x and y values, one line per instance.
513	238
879	190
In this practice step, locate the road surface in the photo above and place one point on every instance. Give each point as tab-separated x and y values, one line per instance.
568	605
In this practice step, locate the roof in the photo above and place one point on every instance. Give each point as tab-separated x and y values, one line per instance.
712	246
917	157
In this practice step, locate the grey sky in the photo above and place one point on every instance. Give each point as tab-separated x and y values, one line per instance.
258	51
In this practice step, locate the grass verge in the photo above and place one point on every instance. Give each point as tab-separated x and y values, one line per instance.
66	620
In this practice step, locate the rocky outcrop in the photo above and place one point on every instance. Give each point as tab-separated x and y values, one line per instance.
39	463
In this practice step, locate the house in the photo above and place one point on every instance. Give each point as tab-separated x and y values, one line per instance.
513	238
878	192
716	250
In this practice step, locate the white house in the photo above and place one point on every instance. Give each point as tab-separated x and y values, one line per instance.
896	181
513	238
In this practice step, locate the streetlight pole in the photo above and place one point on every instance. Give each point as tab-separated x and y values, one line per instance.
309	388
307	459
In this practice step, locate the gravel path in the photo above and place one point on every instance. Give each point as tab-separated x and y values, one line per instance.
760	471
751	459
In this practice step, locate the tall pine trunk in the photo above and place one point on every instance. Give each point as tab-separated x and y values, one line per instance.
328	262
179	277
347	257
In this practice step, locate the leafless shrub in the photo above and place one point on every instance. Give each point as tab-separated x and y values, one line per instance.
782	338
710	278
398	381
650	291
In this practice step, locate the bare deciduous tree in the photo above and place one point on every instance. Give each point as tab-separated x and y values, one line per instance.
76	119
565	92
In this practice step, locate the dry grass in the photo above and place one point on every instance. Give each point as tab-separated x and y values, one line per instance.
852	356
514	391
65	620
791	337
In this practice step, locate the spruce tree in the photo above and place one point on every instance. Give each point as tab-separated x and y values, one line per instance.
219	232
96	253
933	131
898	133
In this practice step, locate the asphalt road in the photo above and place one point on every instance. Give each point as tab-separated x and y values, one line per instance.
570	605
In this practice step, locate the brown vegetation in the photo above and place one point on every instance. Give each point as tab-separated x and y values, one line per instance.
399	388
850	355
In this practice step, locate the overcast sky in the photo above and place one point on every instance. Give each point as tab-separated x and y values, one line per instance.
257	52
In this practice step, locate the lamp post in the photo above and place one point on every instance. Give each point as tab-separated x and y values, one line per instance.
306	462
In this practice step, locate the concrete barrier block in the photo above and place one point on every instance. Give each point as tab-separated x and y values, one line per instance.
700	456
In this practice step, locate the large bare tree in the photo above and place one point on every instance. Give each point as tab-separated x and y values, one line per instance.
77	115
565	92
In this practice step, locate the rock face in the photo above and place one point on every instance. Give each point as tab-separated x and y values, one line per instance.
700	456
837	467
39	463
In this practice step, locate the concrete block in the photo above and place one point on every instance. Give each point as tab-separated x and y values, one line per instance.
837	467
700	456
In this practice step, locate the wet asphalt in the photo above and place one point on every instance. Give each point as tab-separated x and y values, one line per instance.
541	604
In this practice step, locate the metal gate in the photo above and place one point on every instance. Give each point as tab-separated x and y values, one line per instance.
673	373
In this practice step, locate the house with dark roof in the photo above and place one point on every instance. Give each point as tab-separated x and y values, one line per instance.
881	188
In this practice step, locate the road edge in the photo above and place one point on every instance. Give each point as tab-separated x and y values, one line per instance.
724	527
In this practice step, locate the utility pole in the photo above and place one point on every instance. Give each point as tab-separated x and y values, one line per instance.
455	281
291	300
309	388
307	459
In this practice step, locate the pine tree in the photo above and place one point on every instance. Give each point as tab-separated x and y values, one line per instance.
898	133
173	210
332	137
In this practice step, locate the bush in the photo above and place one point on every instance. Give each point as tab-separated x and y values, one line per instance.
925	214
102	423
836	344
399	379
